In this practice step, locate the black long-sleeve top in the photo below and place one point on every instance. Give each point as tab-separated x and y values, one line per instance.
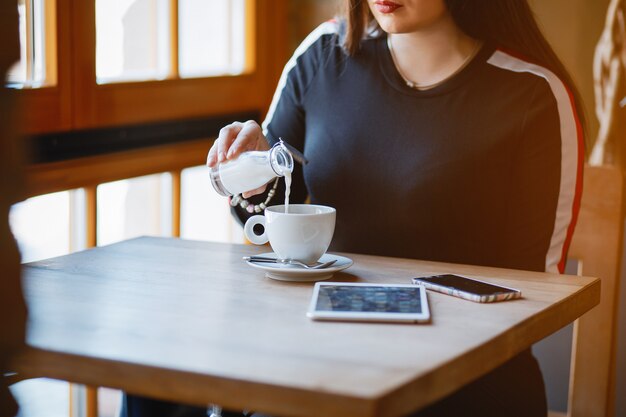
482	169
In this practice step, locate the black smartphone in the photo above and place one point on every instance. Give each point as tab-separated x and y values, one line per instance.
468	288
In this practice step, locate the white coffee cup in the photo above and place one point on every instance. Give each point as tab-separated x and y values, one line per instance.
303	233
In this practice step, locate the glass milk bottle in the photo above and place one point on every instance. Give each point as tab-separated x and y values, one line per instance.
251	170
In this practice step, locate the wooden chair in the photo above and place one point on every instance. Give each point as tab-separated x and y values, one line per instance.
597	245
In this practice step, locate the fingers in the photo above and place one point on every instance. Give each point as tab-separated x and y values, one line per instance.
234	139
256	191
226	137
211	158
227	134
250	138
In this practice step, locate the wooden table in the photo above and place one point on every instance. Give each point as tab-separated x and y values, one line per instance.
190	321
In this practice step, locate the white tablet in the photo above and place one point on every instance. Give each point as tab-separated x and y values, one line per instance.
369	302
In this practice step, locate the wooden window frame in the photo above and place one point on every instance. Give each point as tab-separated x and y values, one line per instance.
78	102
49	108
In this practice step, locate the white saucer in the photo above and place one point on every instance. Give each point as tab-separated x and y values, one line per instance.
297	273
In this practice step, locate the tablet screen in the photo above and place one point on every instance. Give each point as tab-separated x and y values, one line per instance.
369	299
380	302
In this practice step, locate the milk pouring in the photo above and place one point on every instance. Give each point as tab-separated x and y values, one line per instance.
251	170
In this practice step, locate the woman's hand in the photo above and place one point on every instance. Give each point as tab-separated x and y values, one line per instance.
234	139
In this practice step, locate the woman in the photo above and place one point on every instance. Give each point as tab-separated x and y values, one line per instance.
469	153
451	120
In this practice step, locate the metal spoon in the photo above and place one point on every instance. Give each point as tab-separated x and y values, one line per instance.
316	265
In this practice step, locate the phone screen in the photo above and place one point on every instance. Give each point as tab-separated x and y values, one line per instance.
465	284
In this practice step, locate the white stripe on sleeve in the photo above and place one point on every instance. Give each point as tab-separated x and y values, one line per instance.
323	29
569	151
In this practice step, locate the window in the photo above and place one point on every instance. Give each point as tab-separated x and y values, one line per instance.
132	40
44	88
42	397
134	207
37	41
212	38
171	59
142	61
37	236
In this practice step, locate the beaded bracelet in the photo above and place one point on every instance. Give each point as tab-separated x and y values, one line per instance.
253	208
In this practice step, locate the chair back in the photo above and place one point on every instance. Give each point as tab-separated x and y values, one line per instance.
597	245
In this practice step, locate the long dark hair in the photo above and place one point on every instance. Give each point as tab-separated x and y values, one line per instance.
508	24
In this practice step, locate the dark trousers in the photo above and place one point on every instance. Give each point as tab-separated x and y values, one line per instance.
515	389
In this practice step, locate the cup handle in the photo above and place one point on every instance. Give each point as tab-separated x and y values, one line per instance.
248	230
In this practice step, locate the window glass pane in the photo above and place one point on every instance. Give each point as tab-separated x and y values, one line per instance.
42	397
131	208
30	70
51	398
41	226
17	74
109	402
211	37
205	215
132	40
